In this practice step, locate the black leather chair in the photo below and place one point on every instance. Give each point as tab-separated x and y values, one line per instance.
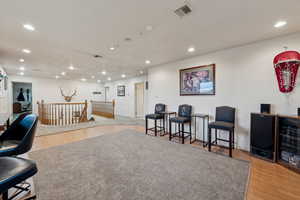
225	120
20	134
14	171
17	140
7	135
183	117
158	115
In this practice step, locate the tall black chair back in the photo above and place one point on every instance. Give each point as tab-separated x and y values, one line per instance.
17	135
184	116
24	127
159	108
158	115
185	110
225	114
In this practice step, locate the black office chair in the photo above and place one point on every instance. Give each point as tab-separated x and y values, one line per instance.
225	120
21	134
158	115
184	116
13	170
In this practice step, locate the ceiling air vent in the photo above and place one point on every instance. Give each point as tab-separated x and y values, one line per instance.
183	11
97	56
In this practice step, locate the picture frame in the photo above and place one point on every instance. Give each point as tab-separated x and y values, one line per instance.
121	90
200	80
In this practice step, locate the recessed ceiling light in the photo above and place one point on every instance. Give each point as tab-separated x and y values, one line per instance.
63	73
112	48
109	79
191	49
92	77
57	77
22	73
148	62
71	67
22	60
22	68
280	24
103	72
141	72
83	79
98	81
123	75
26	51
29	27
149	28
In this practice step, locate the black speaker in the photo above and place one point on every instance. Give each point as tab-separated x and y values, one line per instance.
263	135
147	85
299	112
265	108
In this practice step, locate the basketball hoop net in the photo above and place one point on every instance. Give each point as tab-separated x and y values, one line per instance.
286	66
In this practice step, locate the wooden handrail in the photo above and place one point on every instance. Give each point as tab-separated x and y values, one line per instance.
62	113
104	108
83	116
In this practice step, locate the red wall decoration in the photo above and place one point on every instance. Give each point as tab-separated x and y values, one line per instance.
286	66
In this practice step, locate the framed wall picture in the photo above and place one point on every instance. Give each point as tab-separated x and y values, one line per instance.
198	80
121	90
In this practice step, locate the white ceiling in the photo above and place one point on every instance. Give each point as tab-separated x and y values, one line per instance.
70	31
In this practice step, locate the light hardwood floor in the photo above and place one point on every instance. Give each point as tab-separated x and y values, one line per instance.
267	181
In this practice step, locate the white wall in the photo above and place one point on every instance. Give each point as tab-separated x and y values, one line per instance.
125	106
245	78
48	90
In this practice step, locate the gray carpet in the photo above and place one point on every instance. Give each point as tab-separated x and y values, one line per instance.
133	166
99	121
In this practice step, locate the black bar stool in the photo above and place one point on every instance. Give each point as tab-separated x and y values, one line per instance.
225	119
184	116
17	140
158	115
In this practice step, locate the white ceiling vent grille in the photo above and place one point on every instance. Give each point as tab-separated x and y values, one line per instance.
183	11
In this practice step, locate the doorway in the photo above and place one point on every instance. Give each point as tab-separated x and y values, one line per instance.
22	98
139	100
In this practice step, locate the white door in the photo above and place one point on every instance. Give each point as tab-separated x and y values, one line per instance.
139	99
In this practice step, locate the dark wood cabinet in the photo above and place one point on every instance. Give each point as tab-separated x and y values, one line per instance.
263	134
276	138
288	142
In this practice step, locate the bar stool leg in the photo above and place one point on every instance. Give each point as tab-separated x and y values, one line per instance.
160	126
233	139
182	132
230	143
5	195
216	135
195	128
155	127
191	132
146	125
170	130
209	139
203	130
164	127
